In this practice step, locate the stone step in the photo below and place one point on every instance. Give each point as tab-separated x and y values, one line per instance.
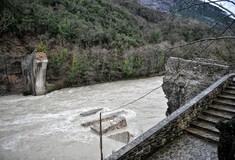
210	118
103	118
217	113
226	108
224	101
90	112
205	125
228	91
110	125
230	87
204	134
222	96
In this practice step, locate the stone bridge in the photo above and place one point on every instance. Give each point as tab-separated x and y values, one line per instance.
189	132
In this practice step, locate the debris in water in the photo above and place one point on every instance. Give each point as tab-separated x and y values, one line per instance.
117	123
90	112
104	118
124	137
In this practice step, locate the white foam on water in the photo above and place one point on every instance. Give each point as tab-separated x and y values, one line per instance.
33	124
15	143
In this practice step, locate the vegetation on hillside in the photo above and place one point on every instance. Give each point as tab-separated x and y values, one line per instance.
89	41
84	22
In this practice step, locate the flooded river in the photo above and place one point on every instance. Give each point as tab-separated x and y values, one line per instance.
49	127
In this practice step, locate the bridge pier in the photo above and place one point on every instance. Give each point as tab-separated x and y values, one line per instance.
34	73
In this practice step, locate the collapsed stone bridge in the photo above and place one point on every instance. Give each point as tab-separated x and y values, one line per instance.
189	132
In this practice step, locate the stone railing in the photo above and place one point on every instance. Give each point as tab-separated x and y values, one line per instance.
172	126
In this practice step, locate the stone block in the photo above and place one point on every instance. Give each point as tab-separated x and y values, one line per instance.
116	123
103	118
124	137
90	112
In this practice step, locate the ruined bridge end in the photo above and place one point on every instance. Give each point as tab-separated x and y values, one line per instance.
184	79
171	127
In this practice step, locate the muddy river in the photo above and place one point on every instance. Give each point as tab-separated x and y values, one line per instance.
49	127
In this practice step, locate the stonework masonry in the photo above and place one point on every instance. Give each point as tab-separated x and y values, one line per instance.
184	79
34	73
171	127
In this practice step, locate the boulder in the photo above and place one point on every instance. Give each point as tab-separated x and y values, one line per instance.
116	123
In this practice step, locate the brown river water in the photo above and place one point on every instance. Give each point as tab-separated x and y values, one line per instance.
49	127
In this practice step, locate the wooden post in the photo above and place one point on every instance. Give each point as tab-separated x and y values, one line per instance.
128	137
101	141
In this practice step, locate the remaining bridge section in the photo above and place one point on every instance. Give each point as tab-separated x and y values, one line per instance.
185	118
202	143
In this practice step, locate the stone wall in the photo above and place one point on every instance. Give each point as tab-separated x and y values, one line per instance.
171	127
184	79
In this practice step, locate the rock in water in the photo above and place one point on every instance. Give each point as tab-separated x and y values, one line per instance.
104	118
124	137
117	123
91	112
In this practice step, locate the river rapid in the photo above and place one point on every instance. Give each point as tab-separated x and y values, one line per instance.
49	127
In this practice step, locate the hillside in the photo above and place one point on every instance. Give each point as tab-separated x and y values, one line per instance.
90	41
196	9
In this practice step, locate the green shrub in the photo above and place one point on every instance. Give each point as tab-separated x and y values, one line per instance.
83	65
157	36
58	61
41	47
160	63
127	67
65	28
74	69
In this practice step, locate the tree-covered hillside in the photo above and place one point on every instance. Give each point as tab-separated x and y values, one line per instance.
85	22
109	24
89	41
